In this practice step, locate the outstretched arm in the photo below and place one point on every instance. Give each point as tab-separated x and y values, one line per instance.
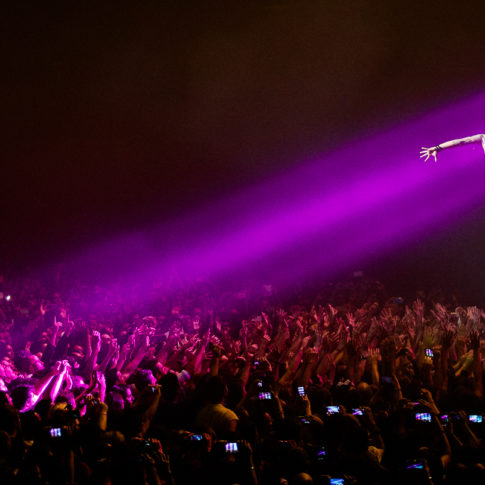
433	151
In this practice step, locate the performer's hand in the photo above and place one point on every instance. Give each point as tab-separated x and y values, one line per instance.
428	152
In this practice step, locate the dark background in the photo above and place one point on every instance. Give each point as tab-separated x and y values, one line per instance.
119	115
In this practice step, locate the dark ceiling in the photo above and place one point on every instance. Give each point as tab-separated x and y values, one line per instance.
117	115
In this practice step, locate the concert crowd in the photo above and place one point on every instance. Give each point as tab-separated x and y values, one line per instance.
344	385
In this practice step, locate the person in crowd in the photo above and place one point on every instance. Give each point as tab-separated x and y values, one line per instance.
343	385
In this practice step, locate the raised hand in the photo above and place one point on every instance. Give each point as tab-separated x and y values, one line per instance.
473	314
429	152
216	351
427	400
333	311
474	340
43	308
447	339
68	376
462	315
113	345
281	313
386	314
125	350
418	308
332	341
351	319
96	341
440	312
310	356
145	343
374	355
132	340
68	326
100	378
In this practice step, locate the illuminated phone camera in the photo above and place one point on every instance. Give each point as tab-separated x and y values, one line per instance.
55	432
231	447
332	410
424	417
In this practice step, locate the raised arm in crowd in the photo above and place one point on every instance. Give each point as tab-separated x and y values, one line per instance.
236	387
